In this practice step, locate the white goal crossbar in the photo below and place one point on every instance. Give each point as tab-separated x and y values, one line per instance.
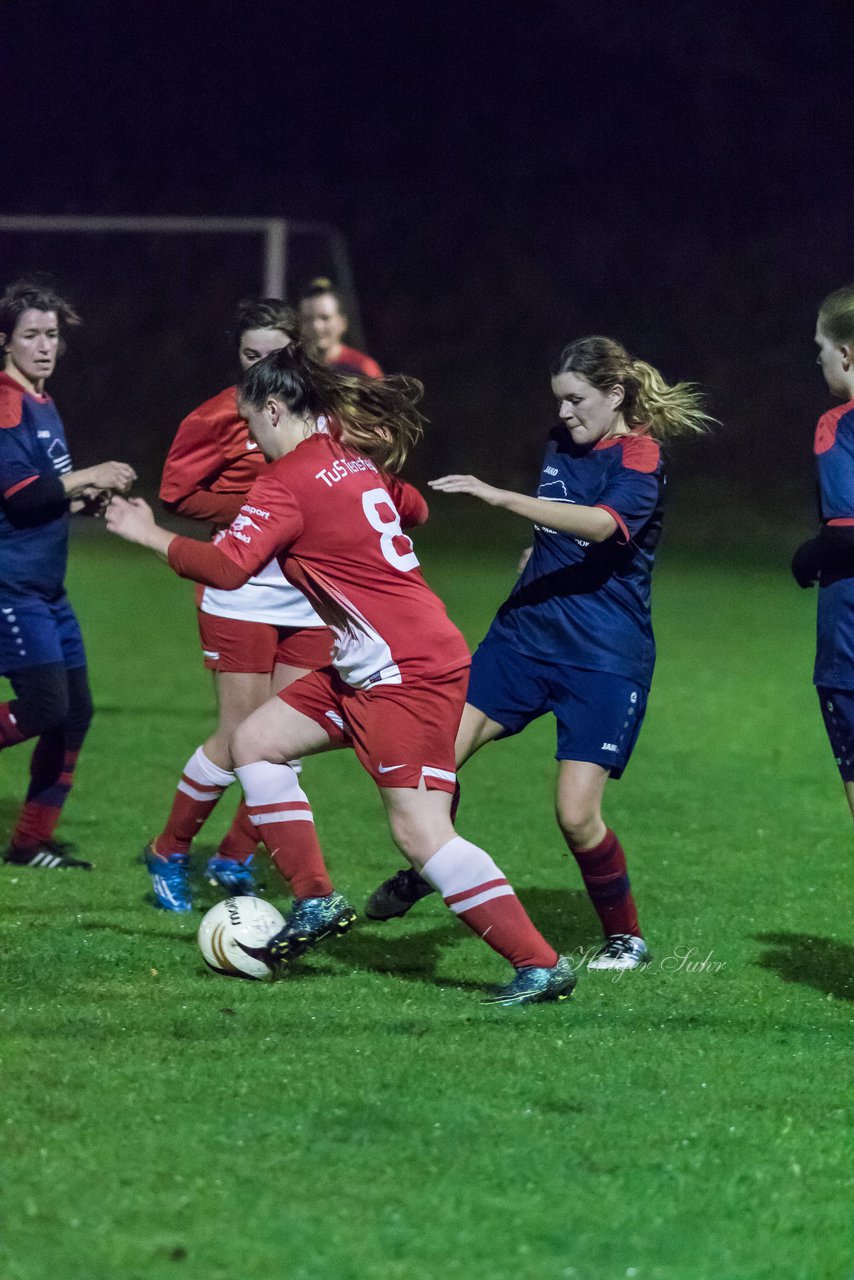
275	233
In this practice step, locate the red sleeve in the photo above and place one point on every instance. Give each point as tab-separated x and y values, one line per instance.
268	522
410	503
198	453
203	562
218	508
371	369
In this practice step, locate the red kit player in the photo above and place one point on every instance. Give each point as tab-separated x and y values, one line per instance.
265	627
331	511
323	323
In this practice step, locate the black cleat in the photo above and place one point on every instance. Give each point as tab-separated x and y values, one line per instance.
309	921
536	985
51	855
395	896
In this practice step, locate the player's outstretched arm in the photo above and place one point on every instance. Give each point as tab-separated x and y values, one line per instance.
594	524
133	520
114	476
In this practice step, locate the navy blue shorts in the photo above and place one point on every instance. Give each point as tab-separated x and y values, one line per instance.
837	707
598	715
34	632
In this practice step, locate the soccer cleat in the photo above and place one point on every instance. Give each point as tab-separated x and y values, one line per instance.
233	876
395	896
621	951
170	879
51	855
309	921
536	985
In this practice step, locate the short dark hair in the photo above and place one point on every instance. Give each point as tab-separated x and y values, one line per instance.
264	313
34	293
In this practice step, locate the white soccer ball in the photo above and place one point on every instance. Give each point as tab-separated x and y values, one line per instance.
233	934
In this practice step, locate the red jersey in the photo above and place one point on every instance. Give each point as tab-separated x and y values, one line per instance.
212	462
335	524
350	360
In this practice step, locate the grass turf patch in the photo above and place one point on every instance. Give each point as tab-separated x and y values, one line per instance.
366	1118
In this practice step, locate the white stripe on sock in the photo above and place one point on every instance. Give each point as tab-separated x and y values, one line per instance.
499	891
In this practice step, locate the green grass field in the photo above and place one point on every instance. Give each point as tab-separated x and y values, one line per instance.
368	1119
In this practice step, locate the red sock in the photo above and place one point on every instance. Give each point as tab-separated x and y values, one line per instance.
241	838
202	783
606	879
52	773
476	890
280	811
10	734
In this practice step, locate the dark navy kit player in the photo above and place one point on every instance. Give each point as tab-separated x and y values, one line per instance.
828	558
41	648
575	637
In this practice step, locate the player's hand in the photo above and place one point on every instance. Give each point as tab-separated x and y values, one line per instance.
468	484
118	476
132	519
523	560
91	502
806	565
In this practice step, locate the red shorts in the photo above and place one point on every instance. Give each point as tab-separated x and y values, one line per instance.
403	734
236	644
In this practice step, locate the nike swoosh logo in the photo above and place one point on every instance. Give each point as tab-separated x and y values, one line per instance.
389	768
251	444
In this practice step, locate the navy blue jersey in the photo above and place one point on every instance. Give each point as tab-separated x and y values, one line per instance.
32	444
834	452
587	604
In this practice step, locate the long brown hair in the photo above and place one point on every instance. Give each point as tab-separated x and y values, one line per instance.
376	416
649	401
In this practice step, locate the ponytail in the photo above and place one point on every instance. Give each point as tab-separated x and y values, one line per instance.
375	416
649	402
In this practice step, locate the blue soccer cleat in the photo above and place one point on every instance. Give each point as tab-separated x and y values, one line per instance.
536	985
309	921
235	877
170	879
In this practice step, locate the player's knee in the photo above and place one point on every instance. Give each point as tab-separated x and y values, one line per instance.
42	697
244	746
578	820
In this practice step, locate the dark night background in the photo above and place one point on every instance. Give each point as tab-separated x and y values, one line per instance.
508	176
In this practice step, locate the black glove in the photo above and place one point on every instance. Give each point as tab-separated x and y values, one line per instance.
829	557
806	563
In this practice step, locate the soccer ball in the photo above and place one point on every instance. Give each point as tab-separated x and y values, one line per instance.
233	934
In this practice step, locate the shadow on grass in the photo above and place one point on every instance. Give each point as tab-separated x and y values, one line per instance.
561	914
822	963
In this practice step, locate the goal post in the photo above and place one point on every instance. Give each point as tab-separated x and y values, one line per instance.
274	235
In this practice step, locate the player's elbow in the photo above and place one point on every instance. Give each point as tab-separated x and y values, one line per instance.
603	529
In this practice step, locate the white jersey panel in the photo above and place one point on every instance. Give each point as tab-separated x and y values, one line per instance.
267	597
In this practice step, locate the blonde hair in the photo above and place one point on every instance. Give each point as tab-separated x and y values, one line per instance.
650	402
836	315
376	416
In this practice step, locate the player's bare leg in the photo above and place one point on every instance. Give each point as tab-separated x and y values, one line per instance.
476	890
397	895
849	792
602	862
